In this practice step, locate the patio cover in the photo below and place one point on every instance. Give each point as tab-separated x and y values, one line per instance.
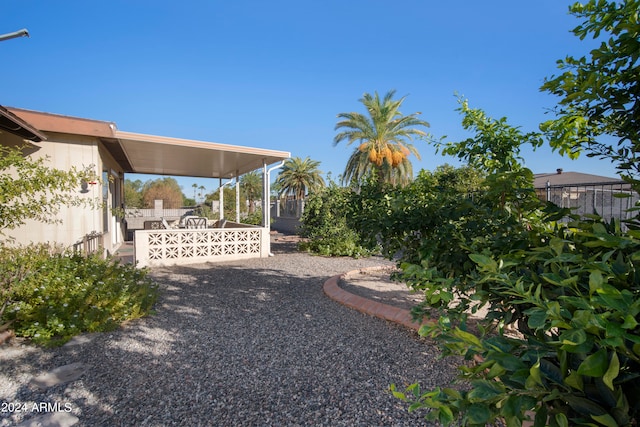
152	154
162	155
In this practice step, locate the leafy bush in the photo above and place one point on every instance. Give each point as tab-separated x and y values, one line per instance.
325	224
568	295
50	296
575	303
254	218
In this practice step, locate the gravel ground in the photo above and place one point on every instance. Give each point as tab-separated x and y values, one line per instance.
252	343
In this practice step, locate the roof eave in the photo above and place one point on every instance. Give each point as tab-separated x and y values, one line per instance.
17	126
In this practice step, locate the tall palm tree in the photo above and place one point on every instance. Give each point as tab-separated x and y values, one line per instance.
251	186
299	176
384	138
359	166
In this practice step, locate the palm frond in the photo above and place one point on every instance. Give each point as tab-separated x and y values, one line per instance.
386	132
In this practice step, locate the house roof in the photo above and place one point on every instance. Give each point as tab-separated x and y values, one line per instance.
560	177
13	124
162	155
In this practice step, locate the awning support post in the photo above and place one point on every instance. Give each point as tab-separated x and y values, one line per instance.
266	208
265	195
221	207
237	197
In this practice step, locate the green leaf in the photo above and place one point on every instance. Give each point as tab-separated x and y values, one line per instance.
511	406
452	393
595	281
606	420
552	278
595	365
509	361
612	371
583	406
561	420
629	322
537	317
573	337
574	380
445	415
467	337
399	395
478	413
485	390
534	376
495	371
485	263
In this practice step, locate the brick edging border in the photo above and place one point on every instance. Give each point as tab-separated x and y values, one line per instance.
364	305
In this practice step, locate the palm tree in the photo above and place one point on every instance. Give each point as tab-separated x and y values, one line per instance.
384	138
359	166
201	194
299	176
251	186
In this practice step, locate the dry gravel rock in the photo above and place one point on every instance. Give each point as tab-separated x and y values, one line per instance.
251	343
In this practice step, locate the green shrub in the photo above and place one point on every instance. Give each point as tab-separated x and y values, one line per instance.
569	296
575	360
254	218
50	296
325	224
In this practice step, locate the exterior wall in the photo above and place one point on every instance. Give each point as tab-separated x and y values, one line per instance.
64	152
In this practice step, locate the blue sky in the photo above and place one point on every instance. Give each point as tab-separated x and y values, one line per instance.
274	74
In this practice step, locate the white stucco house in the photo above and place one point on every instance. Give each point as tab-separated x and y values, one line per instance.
112	153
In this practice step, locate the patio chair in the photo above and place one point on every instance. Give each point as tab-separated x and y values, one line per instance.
197	223
170	225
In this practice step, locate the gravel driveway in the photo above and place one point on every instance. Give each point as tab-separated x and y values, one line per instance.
252	343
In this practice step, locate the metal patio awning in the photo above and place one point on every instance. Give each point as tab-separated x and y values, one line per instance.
151	154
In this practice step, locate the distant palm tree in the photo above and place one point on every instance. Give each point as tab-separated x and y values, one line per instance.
299	176
251	186
201	194
384	138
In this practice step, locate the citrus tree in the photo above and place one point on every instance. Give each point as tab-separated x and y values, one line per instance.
31	190
571	293
600	92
